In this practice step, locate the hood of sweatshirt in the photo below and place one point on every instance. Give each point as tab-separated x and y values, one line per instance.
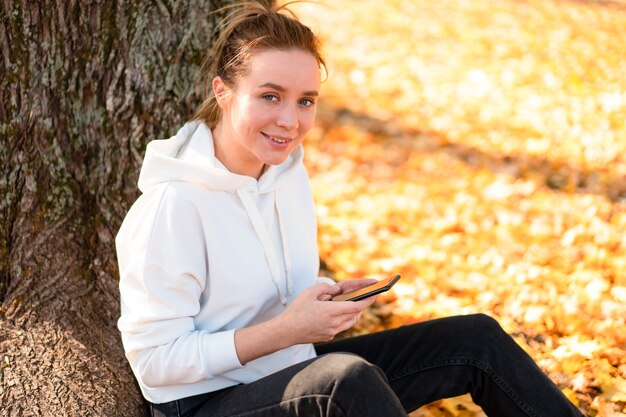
189	156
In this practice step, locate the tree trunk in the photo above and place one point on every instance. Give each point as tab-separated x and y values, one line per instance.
84	86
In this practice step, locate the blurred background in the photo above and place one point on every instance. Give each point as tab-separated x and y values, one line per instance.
479	149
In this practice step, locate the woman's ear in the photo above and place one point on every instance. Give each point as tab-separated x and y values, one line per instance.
221	91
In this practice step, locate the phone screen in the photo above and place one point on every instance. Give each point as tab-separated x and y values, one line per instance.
376	288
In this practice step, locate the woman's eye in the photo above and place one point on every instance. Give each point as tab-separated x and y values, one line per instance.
270	97
306	102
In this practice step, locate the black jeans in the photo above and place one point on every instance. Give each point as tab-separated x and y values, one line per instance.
394	372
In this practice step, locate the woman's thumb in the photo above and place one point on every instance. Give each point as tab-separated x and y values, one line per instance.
325	291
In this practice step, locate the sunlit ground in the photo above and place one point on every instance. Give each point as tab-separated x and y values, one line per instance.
479	148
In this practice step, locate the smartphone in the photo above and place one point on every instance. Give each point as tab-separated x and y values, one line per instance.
376	288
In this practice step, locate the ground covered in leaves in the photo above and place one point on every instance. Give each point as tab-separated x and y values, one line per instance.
479	149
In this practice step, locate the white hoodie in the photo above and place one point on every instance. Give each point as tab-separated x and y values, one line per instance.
204	252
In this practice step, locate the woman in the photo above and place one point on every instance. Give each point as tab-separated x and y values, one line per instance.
221	304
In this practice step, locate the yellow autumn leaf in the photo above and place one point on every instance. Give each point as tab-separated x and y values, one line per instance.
615	389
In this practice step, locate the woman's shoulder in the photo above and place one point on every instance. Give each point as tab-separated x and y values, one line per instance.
166	211
165	199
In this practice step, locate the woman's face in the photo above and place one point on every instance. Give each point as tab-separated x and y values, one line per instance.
267	113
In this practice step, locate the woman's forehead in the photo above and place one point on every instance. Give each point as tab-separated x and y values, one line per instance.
283	69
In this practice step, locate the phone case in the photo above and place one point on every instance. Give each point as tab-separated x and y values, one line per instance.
376	288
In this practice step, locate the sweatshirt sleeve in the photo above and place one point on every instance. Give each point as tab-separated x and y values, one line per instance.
325	280
163	272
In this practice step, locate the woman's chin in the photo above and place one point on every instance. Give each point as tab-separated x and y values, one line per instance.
277	158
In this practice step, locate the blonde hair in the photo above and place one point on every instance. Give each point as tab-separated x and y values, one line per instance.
249	27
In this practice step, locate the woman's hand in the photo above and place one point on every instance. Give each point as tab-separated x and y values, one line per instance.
311	318
355	284
349	286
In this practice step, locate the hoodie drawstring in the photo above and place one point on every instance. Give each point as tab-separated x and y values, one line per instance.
283	238
270	254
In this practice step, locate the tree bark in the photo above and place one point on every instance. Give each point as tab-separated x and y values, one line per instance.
84	86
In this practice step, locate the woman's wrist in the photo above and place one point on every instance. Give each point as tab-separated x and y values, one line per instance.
283	331
261	339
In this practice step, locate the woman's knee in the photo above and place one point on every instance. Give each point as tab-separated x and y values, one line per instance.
472	326
485	324
347	368
342	384
333	374
467	335
485	340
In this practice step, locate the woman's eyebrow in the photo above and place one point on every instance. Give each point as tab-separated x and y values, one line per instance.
281	88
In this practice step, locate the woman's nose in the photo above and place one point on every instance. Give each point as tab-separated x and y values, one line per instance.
288	117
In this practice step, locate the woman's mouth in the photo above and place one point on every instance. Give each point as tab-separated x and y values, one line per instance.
277	139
